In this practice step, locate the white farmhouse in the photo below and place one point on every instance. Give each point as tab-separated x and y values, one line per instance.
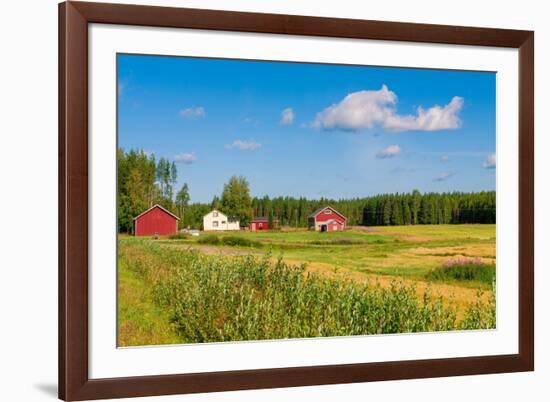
215	220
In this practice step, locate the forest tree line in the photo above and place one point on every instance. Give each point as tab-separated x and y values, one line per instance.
143	181
387	209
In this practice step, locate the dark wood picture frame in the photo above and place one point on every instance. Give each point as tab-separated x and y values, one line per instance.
74	382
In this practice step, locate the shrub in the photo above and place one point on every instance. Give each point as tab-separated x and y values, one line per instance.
209	239
480	315
178	236
240	241
464	269
251	299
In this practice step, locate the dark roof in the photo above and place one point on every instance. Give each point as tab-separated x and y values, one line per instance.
318	210
314	213
263	219
157	206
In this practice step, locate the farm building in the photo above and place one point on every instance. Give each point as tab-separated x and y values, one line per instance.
262	223
155	221
216	220
326	219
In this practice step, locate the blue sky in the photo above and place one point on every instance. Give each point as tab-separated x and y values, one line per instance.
310	130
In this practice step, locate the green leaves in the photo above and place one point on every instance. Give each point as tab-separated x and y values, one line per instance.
236	200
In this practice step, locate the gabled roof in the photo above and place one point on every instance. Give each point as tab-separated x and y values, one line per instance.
157	206
216	210
230	218
314	213
319	210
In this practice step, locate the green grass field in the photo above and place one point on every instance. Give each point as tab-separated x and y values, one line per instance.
405	251
452	262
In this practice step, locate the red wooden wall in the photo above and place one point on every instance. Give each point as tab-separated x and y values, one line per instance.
335	226
259	225
262	224
155	221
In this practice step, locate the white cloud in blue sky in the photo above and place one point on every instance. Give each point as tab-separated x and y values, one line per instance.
218	126
186	157
287	117
490	162
197	112
369	108
244	145
444	158
443	176
389	152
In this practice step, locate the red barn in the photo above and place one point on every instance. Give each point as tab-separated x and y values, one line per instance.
155	221
262	223
326	219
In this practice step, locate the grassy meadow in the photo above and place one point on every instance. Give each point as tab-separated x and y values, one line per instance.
298	283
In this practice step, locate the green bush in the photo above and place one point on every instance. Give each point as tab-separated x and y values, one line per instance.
469	270
209	239
240	241
179	236
480	315
229	241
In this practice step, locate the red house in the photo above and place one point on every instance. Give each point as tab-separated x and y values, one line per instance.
262	223
326	219
155	221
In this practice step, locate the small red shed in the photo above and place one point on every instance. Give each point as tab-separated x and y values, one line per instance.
155	221
327	219
262	223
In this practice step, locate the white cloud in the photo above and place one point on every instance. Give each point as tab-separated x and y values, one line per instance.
444	158
388	152
186	157
243	145
193	112
443	176
490	162
287	117
369	108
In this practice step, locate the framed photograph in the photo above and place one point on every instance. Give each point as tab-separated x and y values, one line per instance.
260	200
